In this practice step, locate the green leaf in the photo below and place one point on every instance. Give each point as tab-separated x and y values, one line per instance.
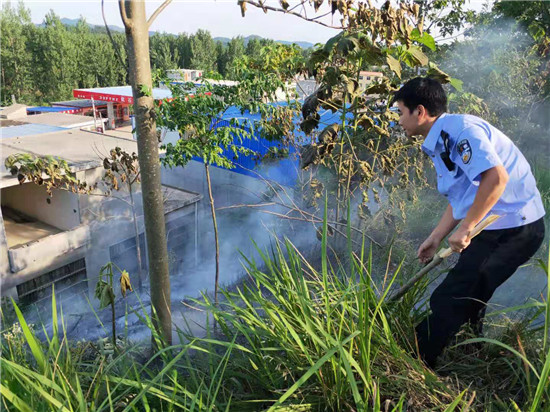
104	292
347	44
426	39
394	65
16	401
502	345
536	30
436	73
456	83
145	90
329	45
543	382
332	76
455	403
33	343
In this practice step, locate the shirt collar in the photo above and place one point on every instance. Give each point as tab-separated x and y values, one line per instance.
433	135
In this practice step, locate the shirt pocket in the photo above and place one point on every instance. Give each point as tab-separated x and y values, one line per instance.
446	178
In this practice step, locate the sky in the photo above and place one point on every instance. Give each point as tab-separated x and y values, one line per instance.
221	17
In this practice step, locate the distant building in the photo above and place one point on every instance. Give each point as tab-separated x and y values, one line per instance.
116	99
366	78
184	75
87	107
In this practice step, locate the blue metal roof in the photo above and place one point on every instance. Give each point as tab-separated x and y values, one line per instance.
27	130
45	109
282	170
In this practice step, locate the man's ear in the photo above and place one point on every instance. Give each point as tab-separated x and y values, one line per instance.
422	112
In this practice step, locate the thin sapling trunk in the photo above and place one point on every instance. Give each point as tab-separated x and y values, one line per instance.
215	232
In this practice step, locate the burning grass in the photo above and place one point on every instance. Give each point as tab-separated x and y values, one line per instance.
293	337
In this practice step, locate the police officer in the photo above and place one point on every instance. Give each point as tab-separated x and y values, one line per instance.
480	171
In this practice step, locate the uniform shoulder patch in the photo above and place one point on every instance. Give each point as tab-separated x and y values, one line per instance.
464	151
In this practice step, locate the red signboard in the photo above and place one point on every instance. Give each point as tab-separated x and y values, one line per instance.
86	94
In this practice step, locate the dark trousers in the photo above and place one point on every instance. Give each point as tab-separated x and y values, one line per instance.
491	258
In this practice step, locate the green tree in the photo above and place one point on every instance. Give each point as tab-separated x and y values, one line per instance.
164	56
182	44
235	50
16	28
504	61
204	134
221	61
203	51
54	60
445	16
533	15
86	56
254	45
97	61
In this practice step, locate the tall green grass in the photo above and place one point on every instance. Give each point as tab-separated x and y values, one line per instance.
294	336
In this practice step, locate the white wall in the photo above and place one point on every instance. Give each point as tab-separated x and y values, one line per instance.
62	212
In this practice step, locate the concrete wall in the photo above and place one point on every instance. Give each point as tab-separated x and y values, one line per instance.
35	253
35	268
62	211
4	257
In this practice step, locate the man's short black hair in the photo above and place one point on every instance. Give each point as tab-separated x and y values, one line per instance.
423	91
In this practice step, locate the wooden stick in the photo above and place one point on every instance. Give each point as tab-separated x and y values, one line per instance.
438	258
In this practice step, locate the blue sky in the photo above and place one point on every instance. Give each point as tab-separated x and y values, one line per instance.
222	18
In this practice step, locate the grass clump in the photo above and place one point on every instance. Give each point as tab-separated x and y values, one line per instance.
292	337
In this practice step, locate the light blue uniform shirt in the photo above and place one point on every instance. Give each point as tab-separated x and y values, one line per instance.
475	146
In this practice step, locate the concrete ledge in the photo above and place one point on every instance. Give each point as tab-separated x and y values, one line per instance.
45	249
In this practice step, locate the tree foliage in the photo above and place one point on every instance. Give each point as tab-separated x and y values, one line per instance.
47	171
196	114
362	149
44	63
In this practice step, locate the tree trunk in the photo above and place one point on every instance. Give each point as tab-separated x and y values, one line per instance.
216	283
138	244
137	35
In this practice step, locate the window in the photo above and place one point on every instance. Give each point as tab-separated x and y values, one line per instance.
69	281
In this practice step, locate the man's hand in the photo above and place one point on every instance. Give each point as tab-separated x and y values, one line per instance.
427	250
460	239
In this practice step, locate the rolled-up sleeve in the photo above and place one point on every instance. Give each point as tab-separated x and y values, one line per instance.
474	153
